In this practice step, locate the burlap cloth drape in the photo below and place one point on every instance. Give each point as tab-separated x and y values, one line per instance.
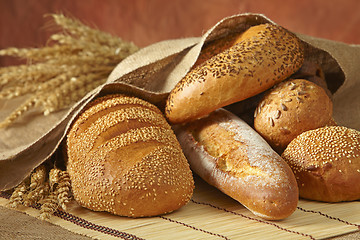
150	74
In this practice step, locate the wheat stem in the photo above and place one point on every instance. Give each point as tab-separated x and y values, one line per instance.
74	62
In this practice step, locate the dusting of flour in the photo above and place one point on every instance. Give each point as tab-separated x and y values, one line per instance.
260	154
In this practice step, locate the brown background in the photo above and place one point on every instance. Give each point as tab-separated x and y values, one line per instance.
148	21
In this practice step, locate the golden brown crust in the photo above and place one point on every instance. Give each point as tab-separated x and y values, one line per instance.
124	158
290	108
268	54
312	72
228	154
326	163
217	46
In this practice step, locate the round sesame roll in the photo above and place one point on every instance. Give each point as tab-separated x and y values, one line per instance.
124	158
326	163
262	56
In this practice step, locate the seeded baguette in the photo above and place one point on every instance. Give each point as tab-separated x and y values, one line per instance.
263	56
217	46
124	158
326	163
290	108
229	155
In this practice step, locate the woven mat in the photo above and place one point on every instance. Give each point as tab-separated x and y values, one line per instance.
211	215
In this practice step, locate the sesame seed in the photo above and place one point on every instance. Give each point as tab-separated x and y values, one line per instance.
118	123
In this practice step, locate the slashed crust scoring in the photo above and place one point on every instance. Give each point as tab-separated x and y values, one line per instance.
124	158
230	155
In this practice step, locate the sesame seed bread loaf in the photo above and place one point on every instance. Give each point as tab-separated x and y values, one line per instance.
265	55
124	158
290	108
228	154
326	163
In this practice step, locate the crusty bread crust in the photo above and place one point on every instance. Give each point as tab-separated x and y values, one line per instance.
326	163
291	108
124	158
267	54
228	154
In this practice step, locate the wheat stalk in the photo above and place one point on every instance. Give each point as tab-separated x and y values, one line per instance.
38	188
75	61
59	195
49	206
64	189
49	188
17	197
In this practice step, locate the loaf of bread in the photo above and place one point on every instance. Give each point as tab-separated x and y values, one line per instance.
217	46
326	163
310	71
229	155
263	55
124	158
290	108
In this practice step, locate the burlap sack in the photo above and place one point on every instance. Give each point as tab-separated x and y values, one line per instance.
151	73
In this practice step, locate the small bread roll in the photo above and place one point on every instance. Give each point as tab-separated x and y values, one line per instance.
124	158
290	108
231	156
267	54
313	72
326	163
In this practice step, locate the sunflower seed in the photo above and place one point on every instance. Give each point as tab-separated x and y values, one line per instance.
262	104
271	121
285	130
277	114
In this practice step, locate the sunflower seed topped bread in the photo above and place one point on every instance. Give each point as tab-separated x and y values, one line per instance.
124	158
231	156
326	163
290	108
312	72
266	54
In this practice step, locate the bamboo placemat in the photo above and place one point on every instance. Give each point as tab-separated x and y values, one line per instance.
211	215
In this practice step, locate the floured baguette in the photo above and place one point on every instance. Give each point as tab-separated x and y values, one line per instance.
262	56
124	158
228	154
